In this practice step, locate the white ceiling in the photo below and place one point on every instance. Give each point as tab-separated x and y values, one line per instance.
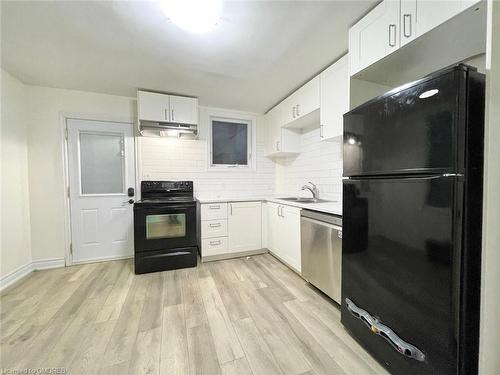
259	53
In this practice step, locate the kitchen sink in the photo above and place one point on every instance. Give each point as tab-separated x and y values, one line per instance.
304	200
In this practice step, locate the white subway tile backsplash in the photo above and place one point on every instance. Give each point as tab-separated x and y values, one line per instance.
173	159
319	162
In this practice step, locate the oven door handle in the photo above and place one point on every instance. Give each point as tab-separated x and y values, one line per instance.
153	210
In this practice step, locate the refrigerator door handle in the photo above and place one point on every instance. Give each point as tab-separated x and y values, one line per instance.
403	347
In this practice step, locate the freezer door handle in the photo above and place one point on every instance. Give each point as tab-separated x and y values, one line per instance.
404	348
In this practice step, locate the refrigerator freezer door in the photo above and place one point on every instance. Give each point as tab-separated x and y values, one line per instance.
414	130
399	265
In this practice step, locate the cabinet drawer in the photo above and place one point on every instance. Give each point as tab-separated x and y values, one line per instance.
213	228
213	211
213	246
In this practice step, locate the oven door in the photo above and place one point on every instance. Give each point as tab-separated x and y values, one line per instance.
162	227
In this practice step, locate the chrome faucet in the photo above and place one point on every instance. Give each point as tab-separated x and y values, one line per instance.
314	190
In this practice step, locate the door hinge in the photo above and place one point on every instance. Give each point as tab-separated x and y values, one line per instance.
66	133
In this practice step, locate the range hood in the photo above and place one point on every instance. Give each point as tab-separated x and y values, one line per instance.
167	129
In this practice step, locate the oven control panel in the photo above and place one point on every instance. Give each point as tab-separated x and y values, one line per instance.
166	186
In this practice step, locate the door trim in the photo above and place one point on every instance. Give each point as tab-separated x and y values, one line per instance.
63	118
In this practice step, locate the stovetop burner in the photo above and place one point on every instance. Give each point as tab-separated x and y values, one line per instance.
163	192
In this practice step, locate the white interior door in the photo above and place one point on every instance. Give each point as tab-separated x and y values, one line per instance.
101	170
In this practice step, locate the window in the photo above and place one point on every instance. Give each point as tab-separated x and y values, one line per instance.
230	143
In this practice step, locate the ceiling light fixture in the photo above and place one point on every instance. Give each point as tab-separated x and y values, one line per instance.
196	16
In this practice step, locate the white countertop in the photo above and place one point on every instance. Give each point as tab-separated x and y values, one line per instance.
331	207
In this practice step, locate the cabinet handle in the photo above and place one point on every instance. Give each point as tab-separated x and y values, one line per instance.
172	111
321	131
231	209
166	115
278	209
215	242
392	26
278	146
214	207
298	114
407	17
214	225
293	112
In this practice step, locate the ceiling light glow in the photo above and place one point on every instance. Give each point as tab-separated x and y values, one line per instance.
196	16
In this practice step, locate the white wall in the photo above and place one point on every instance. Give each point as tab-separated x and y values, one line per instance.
45	157
172	159
489	359
319	162
15	249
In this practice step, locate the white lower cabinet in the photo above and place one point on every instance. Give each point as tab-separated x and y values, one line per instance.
283	236
244	226
230	228
213	246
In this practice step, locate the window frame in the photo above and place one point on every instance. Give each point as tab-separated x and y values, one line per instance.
236	118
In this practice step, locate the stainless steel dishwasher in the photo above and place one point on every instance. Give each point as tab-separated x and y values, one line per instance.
321	250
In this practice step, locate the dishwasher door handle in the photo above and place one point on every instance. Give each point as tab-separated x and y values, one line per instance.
324	223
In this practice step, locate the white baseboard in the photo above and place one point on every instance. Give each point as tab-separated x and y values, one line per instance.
16	275
26	269
45	264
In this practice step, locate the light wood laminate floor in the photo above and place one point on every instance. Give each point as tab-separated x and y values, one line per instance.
240	316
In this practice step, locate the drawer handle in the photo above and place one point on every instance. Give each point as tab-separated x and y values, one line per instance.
214	207
213	243
214	225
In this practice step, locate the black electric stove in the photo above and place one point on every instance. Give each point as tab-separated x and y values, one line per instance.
165	227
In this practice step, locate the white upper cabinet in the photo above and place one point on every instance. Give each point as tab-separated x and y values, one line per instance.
421	16
157	107
280	141
334	98
408	21
152	106
306	99
375	36
395	23
183	110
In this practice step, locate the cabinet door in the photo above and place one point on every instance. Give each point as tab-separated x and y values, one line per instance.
288	109
375	36
152	106
273	131
307	98
432	13
290	237
408	21
334	98
273	222
183	110
244	226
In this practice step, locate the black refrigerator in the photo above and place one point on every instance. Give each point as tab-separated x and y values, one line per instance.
412	212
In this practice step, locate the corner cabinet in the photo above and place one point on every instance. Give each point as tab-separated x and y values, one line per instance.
334	99
283	236
163	108
395	23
